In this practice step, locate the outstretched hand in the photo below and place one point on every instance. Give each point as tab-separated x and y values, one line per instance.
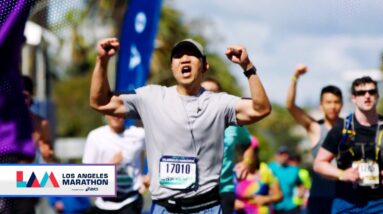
107	48
241	170
300	70
238	54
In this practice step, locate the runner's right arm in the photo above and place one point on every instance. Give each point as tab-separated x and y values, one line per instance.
101	97
323	166
299	115
328	151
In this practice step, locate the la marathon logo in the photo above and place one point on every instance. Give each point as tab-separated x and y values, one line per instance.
57	180
48	181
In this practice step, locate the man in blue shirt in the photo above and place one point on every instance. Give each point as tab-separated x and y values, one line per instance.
288	177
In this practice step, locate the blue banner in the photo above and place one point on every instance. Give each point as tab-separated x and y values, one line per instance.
137	43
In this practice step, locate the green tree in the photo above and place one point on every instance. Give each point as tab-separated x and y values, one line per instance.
71	90
74	114
275	130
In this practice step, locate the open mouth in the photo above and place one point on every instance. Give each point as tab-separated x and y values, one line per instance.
186	70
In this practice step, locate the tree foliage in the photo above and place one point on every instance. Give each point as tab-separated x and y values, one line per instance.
74	114
275	130
71	90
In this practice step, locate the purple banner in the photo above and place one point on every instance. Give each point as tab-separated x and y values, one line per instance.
15	122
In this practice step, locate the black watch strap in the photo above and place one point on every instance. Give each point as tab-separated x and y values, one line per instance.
250	72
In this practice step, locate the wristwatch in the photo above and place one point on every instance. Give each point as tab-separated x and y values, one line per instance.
250	72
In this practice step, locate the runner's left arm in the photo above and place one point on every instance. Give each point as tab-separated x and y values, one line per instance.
249	110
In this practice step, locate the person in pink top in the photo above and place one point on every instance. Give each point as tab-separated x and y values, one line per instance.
260	188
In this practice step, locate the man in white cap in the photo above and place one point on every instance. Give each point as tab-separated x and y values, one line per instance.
184	124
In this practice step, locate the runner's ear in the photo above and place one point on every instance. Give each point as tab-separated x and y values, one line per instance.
205	66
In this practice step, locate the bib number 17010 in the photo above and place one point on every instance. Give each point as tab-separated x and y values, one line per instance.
178	168
178	172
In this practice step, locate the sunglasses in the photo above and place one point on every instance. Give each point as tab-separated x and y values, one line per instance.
363	92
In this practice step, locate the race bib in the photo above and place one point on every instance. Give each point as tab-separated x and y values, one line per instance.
178	172
368	172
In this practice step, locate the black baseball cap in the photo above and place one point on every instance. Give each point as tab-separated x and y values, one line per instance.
189	44
283	149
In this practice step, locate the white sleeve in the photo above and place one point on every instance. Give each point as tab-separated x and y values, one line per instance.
90	150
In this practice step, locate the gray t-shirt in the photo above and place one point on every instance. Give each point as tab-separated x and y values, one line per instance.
323	133
321	187
179	125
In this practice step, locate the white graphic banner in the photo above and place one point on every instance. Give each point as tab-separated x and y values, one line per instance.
57	180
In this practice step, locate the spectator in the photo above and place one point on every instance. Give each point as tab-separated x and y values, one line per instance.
260	188
288	177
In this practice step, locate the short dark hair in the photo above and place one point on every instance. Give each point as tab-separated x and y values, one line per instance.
213	80
293	156
361	81
27	84
332	90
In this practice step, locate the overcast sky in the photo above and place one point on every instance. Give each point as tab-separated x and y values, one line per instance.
330	36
